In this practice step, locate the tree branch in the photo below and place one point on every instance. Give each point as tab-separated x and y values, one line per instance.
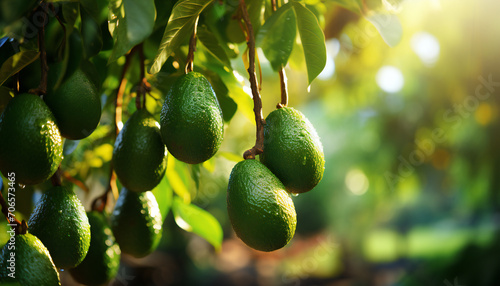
42	87
192	49
17	226
258	148
56	178
143	87
103	199
284	92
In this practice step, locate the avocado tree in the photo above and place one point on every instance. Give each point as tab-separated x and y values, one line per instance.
73	71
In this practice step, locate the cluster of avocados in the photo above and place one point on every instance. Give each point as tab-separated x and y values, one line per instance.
190	128
60	234
32	131
259	205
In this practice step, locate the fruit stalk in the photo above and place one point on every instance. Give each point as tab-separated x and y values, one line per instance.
281	72
56	178
103	199
257	102
143	86
42	88
192	48
16	225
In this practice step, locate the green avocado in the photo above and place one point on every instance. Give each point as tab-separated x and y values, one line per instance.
191	119
137	223
76	106
261	211
60	222
293	150
103	259
30	145
30	261
139	156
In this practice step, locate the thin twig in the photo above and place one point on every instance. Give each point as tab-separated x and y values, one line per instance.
192	49
284	92
143	87
16	225
56	178
258	148
100	202
75	181
42	87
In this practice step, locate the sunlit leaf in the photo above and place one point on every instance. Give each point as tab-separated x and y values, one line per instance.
313	41
179	28
194	219
231	156
209	165
176	181
208	40
16	63
195	174
277	36
389	27
164	195
130	22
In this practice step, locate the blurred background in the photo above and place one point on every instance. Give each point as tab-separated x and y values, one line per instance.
410	194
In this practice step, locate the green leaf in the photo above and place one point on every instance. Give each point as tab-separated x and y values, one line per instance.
16	63
91	35
192	218
5	97
277	36
353	5
195	174
130	23
179	28
313	41
227	104
208	39
175	180
164	196
389	27
231	156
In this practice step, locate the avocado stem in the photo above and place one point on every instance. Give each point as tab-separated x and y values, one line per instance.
284	92
13	222
56	178
258	148
192	49
117	123
42	87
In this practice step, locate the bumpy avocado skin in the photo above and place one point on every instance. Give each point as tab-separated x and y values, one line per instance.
139	155
137	223
293	150
76	106
103	259
191	119
32	263
30	142
60	222
261	211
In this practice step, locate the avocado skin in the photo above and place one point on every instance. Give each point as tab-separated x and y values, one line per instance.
33	264
103	259
139	155
293	150
191	119
60	222
137	223
260	209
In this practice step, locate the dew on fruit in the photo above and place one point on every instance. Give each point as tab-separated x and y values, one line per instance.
295	194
